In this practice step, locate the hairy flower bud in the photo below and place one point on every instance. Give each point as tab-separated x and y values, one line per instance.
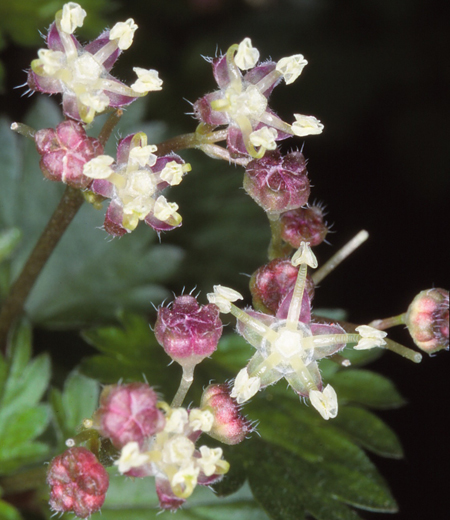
128	413
78	482
303	225
65	151
273	282
427	320
278	183
187	331
229	426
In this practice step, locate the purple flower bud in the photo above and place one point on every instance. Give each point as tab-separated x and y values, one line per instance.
65	151
278	183
187	331
427	320
128	413
272	283
230	426
78	482
303	225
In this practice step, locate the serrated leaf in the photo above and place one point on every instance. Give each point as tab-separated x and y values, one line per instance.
89	276
366	388
20	427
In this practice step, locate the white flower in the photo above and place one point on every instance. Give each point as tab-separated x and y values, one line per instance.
245	387
176	421
370	337
172	172
131	457
264	137
291	67
306	125
143	155
246	56
148	80
164	210
72	17
325	402
124	32
209	459
201	420
99	167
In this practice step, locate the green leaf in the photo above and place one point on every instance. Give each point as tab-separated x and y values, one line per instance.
89	276
9	239
366	388
8	512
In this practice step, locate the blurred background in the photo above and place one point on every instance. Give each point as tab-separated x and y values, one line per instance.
379	81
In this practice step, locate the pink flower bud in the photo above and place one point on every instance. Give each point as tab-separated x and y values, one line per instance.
128	413
187	331
427	320
230	426
303	225
278	183
273	282
64	152
78	482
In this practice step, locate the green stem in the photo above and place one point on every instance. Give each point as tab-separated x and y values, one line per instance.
387	323
185	383
277	249
193	140
12	308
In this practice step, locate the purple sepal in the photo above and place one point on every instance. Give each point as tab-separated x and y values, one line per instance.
100	42
158	225
113	220
167	498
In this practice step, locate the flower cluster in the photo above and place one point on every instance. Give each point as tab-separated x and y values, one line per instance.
288	345
134	183
82	73
241	103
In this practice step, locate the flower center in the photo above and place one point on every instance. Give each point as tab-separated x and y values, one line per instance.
249	103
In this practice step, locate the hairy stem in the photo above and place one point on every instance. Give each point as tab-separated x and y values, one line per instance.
12	308
194	140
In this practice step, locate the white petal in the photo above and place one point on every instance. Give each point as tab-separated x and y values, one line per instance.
306	125
72	17
124	32
291	67
246	56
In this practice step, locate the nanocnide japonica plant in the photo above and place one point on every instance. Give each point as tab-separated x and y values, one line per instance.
133	431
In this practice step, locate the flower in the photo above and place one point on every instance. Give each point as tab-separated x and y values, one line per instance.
187	331
65	151
241	103
78	482
134	184
82	73
172	457
427	320
288	345
128	413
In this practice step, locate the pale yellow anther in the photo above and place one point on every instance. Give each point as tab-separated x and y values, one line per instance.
72	17
176	420
291	67
246	56
164	210
172	173
245	387
184	481
124	32
306	125
99	167
52	61
370	337
201	420
148	80
304	255
143	155
226	292
209	459
97	101
131	457
264	137
325	402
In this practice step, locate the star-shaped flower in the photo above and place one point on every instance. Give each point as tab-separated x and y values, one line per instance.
288	344
242	100
81	73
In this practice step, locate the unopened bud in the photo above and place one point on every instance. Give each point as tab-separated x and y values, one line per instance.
303	225
229	426
427	320
128	413
187	331
78	482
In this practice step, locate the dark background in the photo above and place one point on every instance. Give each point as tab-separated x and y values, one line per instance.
378	78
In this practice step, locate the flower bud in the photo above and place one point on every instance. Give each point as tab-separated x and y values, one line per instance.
128	413
230	426
278	183
427	320
187	331
78	482
271	283
65	151
303	225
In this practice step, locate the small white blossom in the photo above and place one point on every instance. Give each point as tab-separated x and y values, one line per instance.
306	125
209	459
164	210
124	32
245	387
72	17
176	421
247	56
291	67
201	420
325	402
99	167
143	155
264	137
131	457
370	337
148	80
172	173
